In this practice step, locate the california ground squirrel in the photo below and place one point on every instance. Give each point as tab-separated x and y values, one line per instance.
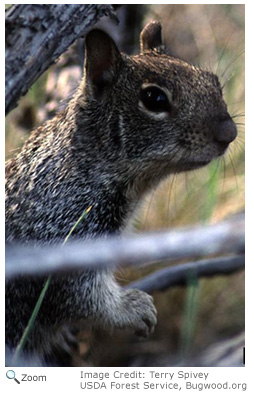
133	121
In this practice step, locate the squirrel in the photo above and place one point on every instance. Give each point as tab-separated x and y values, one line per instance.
133	121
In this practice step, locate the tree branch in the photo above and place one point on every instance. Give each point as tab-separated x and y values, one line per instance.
223	238
37	34
181	274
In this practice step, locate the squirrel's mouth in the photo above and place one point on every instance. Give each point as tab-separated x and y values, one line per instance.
202	159
192	165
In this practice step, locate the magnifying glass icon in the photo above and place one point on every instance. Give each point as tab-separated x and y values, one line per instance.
11	375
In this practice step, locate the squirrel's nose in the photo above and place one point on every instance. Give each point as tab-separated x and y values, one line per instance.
225	130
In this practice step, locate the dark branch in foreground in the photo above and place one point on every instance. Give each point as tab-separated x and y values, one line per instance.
182	274
37	34
224	238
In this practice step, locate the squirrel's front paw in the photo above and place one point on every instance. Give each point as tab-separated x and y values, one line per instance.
139	311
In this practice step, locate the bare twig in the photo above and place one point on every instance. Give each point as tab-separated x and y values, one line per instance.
180	274
221	239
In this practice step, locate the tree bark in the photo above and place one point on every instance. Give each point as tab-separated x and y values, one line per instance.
37	34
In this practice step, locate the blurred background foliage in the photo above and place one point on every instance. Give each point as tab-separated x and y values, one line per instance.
211	36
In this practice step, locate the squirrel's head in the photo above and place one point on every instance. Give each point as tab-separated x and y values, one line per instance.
158	108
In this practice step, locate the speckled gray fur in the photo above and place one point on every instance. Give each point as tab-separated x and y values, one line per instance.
106	151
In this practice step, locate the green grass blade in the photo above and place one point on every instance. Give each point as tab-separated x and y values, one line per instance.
37	307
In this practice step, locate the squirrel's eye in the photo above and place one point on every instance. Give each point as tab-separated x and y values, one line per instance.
154	99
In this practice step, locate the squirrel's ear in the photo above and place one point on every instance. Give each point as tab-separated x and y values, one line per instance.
102	60
150	37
